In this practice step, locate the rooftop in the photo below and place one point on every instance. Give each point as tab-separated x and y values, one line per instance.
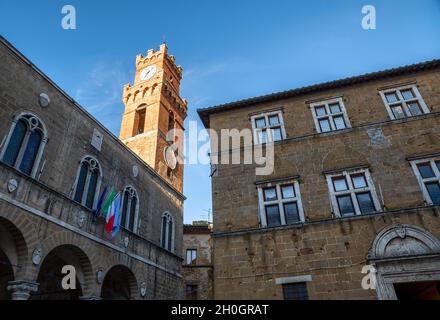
197	228
204	113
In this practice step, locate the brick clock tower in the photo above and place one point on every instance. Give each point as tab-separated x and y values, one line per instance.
153	107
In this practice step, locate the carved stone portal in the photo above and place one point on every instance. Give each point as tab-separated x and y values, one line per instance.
403	240
404	254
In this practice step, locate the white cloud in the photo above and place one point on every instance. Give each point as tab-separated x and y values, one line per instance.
101	92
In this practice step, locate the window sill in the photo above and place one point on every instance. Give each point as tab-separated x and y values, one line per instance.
356	215
264	229
284	225
361	126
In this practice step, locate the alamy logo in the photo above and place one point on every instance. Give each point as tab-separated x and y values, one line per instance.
69	280
229	146
369	20
69	20
369	280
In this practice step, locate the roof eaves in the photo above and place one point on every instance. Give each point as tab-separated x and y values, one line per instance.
205	112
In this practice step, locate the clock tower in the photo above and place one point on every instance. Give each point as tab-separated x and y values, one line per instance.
153	108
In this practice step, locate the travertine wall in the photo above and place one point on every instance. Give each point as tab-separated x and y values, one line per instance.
200	273
247	259
333	252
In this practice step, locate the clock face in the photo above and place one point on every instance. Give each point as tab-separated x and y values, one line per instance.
148	73
170	157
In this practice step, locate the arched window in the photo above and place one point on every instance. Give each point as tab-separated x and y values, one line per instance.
167	232
87	182
130	209
24	144
139	120
171	122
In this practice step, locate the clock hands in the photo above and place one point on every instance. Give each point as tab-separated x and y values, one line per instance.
148	73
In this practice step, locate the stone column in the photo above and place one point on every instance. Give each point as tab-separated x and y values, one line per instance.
22	289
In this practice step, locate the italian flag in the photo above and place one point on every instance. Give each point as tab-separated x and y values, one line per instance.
113	213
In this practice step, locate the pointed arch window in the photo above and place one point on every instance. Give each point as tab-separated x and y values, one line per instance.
87	182
130	209
171	121
24	144
139	125
167	232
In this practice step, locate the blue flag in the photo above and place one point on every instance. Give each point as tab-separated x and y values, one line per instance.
117	213
97	211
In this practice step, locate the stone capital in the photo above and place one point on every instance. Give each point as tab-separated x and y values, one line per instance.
22	289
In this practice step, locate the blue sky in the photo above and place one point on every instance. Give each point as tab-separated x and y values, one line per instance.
229	50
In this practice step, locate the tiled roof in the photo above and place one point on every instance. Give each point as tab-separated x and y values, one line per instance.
205	112
196	229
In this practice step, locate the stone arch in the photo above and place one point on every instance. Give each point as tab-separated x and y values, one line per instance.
34	127
22	113
81	248
50	276
144	92
404	240
13	255
153	88
167	231
119	284
25	239
129	194
142	274
337	155
92	166
135	95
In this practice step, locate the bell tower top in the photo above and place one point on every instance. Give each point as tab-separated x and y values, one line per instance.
153	107
156	65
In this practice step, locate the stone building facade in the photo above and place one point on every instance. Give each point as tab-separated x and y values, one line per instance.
197	268
56	160
355	183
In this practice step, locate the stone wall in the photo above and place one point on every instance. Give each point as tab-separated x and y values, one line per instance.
200	273
248	259
41	209
333	252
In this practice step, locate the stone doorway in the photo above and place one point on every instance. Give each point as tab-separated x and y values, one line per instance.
425	290
407	262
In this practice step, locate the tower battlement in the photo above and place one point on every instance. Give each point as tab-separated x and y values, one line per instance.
153	107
